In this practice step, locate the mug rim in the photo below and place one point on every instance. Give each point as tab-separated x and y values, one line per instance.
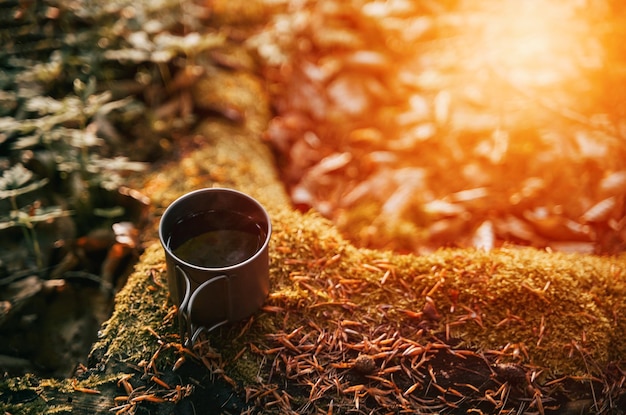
215	190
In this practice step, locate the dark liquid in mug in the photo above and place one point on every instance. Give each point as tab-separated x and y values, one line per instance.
216	239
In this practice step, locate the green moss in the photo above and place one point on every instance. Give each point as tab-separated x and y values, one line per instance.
558	310
27	400
545	302
140	310
31	395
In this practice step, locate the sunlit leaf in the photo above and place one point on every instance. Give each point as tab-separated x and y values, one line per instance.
4	194
27	219
25	142
191	44
15	177
119	164
44	105
132	55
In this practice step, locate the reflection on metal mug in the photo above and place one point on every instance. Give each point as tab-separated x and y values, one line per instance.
216	245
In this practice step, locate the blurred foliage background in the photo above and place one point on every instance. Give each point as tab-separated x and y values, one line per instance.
416	125
90	96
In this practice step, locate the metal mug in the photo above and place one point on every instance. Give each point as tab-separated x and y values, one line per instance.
216	244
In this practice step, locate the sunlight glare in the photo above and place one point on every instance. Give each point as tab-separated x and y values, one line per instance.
534	43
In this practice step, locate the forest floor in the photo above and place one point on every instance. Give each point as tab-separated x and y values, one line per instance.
410	127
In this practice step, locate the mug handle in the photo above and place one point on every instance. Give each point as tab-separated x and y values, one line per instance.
184	322
186	307
196	330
